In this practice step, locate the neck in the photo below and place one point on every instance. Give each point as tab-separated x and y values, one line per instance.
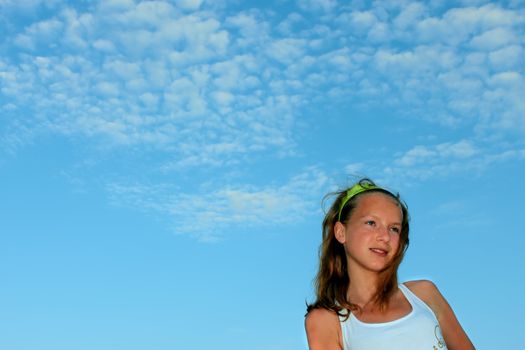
363	287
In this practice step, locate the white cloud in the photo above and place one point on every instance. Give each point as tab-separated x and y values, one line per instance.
461	149
380	32
360	21
115	5
229	74
415	155
250	29
410	15
292	20
286	50
150	100
123	70
494	39
354	168
76	28
505	79
465	157
316	5
189	4
507	57
24	41
47	28
210	212
104	45
422	59
459	24
145	13
223	98
441	153
10	9
107	88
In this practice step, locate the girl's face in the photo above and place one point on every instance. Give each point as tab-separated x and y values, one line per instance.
371	234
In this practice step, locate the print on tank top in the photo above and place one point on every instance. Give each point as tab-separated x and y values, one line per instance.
439	338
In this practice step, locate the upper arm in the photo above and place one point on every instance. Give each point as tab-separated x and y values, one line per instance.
454	335
323	330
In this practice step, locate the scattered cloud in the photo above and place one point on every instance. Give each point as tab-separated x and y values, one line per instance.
155	61
424	162
207	87
494	39
421	154
209	212
316	5
354	168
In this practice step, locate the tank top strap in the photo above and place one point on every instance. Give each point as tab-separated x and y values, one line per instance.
413	299
408	294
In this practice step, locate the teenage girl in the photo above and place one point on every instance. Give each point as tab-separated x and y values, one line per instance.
360	305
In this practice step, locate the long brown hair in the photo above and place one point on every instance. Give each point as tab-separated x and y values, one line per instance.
332	280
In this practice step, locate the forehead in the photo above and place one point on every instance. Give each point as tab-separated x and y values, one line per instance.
378	202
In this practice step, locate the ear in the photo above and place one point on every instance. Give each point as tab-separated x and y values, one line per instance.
340	232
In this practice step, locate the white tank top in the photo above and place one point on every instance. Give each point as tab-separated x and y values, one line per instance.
417	330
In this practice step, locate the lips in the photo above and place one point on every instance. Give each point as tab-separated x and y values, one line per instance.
379	251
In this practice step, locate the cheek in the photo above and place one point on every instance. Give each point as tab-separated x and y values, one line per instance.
394	241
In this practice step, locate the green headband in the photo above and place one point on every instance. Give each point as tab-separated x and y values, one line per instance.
354	191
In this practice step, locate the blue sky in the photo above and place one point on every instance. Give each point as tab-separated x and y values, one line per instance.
163	162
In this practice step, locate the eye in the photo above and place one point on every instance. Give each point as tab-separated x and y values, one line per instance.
370	222
395	229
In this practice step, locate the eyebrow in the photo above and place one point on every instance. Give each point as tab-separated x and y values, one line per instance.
376	216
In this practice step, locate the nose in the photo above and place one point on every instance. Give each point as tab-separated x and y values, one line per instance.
383	234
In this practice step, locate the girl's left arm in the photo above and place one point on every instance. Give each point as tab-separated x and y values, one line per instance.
454	335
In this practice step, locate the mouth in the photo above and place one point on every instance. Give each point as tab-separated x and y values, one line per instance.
379	251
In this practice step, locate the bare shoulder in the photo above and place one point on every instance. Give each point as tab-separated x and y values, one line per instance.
321	319
427	291
421	285
323	330
454	335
